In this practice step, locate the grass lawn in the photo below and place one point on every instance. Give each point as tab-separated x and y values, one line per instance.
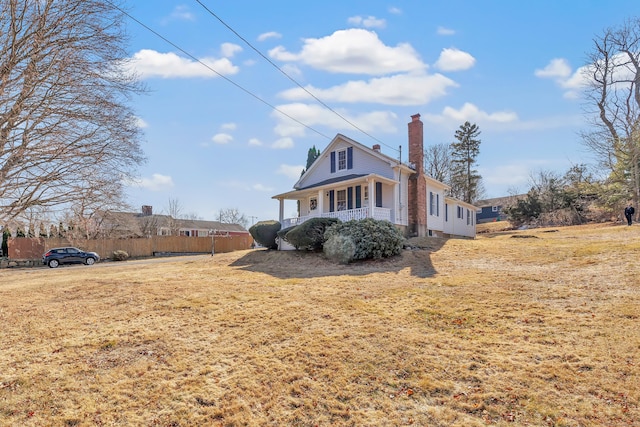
537	327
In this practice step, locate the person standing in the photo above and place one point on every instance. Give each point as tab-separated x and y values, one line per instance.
628	213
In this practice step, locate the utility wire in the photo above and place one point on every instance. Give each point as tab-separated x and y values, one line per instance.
216	72
291	78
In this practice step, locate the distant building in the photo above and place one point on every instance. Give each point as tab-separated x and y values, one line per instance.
490	210
146	223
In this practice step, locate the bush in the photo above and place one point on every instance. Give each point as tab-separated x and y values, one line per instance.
265	233
372	238
340	249
310	234
283	233
119	255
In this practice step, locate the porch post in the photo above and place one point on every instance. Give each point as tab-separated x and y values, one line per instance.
372	195
281	213
320	207
396	204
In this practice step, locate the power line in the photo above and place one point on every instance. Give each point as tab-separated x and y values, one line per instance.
289	77
216	72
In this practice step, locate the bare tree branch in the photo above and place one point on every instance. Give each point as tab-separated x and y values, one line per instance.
66	131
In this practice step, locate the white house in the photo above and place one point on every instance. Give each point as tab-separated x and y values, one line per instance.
351	181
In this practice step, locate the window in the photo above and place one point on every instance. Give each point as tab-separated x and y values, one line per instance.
313	203
341	199
494	209
342	160
446	212
468	217
434	204
366	193
460	212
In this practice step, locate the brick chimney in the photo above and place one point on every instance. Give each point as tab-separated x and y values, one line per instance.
376	147
147	210
417	203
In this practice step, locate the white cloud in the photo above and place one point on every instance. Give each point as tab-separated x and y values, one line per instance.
140	123
395	11
157	182
148	63
255	142
368	22
401	89
471	113
222	138
290	171
262	187
558	68
283	143
292	70
442	31
269	35
228	126
354	50
454	60
229	49
180	13
315	115
513	175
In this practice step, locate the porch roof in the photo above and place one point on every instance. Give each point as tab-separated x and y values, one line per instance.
328	183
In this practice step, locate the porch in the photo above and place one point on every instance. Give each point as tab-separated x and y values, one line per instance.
344	215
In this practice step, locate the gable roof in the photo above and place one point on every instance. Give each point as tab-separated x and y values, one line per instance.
342	138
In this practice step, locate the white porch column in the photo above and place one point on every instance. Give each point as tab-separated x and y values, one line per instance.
372	195
281	213
320	207
396	204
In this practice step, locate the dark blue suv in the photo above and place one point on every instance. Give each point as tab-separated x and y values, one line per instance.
70	255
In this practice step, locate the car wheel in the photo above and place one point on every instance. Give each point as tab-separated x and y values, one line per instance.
90	261
53	263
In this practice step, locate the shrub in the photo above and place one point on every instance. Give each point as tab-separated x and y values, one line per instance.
310	234
265	233
119	255
372	238
283	233
340	249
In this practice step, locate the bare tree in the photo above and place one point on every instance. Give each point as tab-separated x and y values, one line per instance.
233	216
613	102
65	127
174	211
437	162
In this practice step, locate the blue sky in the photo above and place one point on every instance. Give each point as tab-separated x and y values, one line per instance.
511	67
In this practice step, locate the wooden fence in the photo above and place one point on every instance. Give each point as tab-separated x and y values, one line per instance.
25	248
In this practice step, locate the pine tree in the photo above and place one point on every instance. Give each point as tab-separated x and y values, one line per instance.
312	155
465	180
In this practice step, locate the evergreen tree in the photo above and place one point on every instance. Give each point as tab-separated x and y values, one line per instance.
465	180
312	155
6	233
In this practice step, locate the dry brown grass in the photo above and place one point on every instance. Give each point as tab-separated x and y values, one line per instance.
499	330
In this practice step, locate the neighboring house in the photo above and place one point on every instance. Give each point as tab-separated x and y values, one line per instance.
351	181
145	223
490	210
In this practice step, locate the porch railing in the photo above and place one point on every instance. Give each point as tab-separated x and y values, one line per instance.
348	215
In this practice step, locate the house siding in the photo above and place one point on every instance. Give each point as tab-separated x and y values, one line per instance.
361	162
